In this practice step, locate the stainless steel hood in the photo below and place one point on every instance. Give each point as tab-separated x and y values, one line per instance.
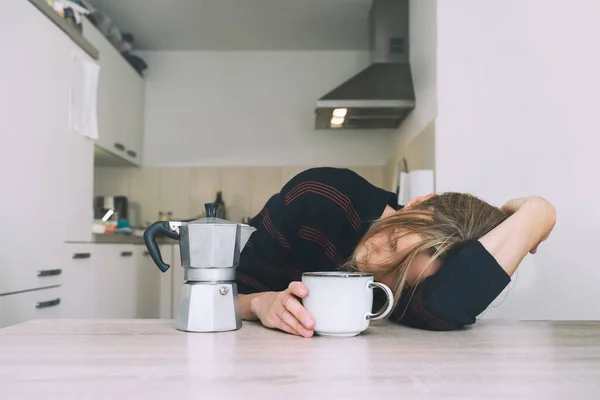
381	95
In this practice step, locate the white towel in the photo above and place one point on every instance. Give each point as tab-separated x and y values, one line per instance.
84	97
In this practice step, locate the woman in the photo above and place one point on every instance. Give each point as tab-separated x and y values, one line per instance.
446	257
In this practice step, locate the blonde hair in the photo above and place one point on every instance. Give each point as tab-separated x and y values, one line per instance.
443	223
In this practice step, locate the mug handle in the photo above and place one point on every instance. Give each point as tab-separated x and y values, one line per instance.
390	301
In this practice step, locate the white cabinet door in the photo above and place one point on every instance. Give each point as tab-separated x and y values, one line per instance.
155	288
120	100
178	280
114	281
148	277
133	97
36	304
35	126
166	283
115	277
81	268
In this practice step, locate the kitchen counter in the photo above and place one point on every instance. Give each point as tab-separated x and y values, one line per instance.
125	239
148	359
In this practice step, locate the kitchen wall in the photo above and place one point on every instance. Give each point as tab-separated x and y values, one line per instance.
184	190
518	88
407	141
250	109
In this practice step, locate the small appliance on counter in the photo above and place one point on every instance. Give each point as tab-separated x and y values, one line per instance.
111	214
111	208
210	253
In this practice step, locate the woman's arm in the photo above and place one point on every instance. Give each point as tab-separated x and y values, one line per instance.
477	272
531	221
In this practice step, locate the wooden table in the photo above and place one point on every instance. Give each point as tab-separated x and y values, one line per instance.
148	359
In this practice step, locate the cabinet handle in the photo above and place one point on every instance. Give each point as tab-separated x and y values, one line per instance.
46	304
79	256
146	254
126	253
119	147
49	272
131	153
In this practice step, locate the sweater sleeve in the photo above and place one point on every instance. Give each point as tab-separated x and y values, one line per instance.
466	284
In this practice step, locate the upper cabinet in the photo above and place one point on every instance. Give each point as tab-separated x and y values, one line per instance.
120	101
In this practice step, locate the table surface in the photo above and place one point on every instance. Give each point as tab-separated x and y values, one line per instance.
149	359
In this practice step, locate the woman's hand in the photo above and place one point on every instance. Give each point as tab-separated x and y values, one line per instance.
283	310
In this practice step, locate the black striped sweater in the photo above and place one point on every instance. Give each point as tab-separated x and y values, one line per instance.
315	222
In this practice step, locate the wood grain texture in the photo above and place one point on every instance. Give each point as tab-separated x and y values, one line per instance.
148	359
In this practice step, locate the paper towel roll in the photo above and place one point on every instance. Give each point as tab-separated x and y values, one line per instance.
414	184
403	188
421	182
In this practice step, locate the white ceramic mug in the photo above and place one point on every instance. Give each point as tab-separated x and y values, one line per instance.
341	302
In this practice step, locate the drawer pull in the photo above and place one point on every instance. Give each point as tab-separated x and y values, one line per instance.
46	304
119	147
49	272
146	253
127	254
79	256
131	153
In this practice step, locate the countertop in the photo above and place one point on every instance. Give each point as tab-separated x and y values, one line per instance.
127	239
123	239
149	359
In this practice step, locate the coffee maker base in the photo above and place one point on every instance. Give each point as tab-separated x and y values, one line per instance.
208	307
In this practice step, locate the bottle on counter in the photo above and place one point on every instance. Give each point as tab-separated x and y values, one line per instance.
221	211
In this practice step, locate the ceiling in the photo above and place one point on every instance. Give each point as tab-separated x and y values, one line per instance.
240	25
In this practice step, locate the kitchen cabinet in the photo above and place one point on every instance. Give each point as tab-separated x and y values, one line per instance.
115	281
99	281
81	268
165	310
120	100
154	292
21	307
178	280
45	168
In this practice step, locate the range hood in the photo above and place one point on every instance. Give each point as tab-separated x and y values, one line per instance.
382	95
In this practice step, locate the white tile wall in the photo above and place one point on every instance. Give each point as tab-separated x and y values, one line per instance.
184	190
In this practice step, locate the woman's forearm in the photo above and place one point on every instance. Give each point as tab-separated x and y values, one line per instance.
531	222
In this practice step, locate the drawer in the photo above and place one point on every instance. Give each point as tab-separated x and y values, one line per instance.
77	254
36	304
31	268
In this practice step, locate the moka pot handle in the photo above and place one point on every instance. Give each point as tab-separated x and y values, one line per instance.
160	228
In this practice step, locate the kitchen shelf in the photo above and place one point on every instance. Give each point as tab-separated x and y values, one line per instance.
67	28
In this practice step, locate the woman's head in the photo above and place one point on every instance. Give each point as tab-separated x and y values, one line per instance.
406	246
